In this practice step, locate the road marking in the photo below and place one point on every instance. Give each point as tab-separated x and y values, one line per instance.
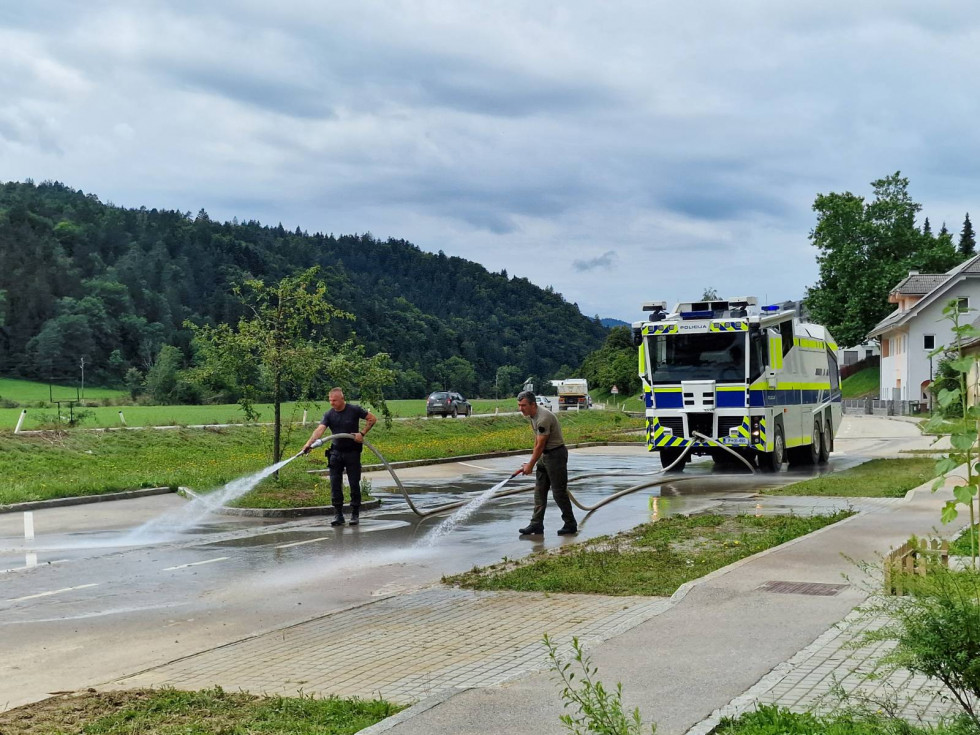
195	563
300	543
54	592
485	469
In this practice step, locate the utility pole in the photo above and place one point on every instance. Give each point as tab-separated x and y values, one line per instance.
82	363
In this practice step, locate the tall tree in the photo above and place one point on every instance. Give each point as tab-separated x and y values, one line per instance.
927	228
865	249
968	243
282	338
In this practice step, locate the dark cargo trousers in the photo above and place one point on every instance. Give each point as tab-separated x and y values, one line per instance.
551	472
339	461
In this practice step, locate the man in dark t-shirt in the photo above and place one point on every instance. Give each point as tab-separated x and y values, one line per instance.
344	454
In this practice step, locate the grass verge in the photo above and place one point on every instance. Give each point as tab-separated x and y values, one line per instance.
877	478
207	712
771	720
652	559
69	464
961	545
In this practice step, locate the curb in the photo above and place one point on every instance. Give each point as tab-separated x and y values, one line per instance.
85	499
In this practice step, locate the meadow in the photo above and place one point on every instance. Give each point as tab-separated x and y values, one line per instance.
78	462
89	415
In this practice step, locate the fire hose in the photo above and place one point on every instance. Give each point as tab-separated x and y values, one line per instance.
514	491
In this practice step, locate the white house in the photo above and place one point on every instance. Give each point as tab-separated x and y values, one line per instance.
850	355
917	326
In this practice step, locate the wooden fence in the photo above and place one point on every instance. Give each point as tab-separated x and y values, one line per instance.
915	556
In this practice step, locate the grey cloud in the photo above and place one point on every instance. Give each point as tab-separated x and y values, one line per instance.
605	261
283	96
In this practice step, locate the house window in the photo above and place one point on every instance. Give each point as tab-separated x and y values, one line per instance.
928	341
886	347
963	303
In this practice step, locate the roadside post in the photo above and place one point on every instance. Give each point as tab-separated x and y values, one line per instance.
615	392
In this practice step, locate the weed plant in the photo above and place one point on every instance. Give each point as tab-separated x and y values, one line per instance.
936	632
593	708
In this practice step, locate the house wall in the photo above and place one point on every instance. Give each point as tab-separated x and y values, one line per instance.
911	365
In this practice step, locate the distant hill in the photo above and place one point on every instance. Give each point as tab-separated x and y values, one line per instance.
609	323
81	279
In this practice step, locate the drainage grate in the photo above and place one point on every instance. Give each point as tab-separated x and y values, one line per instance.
803	588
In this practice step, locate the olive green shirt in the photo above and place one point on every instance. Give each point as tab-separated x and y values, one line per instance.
544	423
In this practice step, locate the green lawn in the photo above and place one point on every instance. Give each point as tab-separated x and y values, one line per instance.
67	464
29	392
878	478
108	416
861	384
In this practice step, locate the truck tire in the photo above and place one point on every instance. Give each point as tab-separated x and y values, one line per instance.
669	456
827	445
809	454
773	461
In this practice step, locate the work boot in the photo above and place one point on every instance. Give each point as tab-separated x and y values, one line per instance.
355	516
532	530
567	530
338	519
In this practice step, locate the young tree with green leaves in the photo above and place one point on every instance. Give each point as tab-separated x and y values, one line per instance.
283	339
966	438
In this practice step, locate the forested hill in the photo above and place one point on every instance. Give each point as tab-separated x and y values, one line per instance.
84	279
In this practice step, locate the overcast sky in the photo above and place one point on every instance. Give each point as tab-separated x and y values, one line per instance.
619	151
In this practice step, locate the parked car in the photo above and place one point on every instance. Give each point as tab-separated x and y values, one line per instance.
446	403
542	401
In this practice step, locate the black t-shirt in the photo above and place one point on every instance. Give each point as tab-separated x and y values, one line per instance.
347	421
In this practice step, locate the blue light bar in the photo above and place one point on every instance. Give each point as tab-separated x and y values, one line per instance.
771	307
706	314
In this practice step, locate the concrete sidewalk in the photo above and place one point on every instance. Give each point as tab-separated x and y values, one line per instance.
763	629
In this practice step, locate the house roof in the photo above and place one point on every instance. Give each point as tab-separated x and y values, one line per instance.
941	283
920	283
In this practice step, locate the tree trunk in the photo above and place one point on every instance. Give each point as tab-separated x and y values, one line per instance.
276	420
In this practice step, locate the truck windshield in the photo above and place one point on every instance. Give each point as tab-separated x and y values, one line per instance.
707	356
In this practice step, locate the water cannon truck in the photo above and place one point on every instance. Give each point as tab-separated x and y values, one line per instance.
728	374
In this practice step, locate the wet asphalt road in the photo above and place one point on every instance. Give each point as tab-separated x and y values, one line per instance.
109	589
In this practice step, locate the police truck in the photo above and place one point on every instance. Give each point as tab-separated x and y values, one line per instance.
728	376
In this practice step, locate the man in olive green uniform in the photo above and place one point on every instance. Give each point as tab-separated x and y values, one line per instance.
551	457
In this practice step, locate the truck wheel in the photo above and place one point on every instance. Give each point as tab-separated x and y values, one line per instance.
669	456
827	445
773	461
808	454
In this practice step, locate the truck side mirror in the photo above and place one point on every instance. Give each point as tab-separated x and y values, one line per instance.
637	336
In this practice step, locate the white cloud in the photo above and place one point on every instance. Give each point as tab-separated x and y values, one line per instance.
689	140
